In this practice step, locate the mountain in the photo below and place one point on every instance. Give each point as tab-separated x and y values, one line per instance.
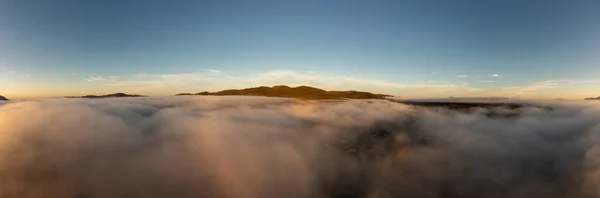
598	98
115	95
302	92
358	95
2	98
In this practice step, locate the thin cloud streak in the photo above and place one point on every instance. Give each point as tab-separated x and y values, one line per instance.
210	80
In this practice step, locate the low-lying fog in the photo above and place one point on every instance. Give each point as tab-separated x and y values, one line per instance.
254	147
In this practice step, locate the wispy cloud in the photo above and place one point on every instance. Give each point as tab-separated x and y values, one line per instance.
96	78
462	76
14	74
102	79
342	83
494	75
212	81
214	71
530	88
208	80
545	85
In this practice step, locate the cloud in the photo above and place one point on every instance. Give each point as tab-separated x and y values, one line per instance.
462	76
214	71
293	78
535	86
95	78
102	79
14	75
546	85
169	84
208	81
270	147
486	81
12	81
494	75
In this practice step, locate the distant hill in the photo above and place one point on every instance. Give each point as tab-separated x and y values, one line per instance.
598	98
302	92
115	95
2	98
481	98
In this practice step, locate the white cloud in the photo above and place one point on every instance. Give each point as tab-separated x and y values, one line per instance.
544	86
207	81
214	71
462	76
256	147
168	84
14	75
494	75
13	81
96	78
352	83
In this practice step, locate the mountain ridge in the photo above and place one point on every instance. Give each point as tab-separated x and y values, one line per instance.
597	98
2	98
114	95
301	92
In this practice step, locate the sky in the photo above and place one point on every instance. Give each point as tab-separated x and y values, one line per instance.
413	49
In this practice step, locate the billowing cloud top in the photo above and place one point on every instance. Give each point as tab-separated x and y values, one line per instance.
273	147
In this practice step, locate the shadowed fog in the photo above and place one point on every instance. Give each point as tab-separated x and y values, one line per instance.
254	147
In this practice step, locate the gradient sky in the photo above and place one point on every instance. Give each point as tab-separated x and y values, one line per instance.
527	49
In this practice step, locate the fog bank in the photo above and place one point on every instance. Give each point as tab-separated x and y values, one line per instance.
255	147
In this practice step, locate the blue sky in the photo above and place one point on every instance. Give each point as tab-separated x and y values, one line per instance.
536	49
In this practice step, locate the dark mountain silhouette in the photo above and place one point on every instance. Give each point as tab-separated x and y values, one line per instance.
115	95
302	92
2	98
358	95
597	98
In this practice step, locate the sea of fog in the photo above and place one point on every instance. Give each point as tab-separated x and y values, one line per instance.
256	147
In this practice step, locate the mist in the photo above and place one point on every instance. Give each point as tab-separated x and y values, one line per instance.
255	147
